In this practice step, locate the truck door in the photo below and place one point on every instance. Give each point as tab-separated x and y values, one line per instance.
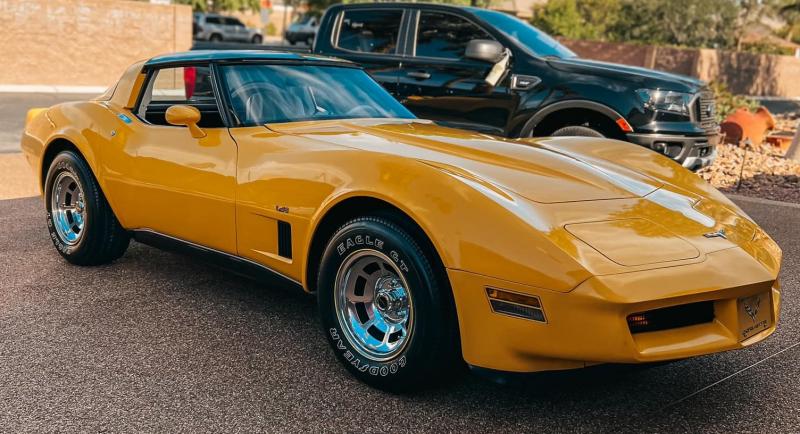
437	82
372	38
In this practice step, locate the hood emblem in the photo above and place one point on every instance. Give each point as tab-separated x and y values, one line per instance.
718	234
751	307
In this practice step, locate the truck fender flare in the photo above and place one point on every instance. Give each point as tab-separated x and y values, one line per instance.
537	117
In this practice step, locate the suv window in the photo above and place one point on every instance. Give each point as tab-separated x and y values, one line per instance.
373	31
213	20
233	22
445	35
189	85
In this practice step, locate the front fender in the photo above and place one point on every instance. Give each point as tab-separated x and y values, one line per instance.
474	226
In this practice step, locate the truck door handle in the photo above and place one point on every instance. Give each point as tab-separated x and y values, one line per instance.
419	75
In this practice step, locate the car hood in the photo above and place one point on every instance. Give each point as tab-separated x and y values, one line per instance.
537	173
576	192
614	70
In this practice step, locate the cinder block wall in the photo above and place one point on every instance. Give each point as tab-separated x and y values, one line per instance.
743	73
85	42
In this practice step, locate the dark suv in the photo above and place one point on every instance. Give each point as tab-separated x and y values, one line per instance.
488	71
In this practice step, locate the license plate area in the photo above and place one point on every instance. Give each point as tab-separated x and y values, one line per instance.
755	314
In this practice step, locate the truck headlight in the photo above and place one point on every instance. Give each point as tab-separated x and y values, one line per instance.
666	100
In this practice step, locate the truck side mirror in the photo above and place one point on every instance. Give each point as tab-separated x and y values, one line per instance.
484	50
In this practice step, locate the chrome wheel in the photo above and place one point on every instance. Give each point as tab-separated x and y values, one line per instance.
373	305
68	208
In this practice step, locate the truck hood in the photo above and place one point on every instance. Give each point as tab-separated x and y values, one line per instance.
667	80
537	173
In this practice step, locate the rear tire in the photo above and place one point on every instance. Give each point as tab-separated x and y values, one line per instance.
82	225
385	310
215	38
576	130
257	39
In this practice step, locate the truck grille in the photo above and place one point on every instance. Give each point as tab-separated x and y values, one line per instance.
705	111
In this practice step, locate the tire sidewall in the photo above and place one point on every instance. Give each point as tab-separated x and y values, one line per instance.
413	360
69	162
579	130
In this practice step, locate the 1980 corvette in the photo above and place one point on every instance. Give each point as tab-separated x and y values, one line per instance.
426	246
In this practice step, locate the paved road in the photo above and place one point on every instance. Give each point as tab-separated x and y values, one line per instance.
160	342
14	107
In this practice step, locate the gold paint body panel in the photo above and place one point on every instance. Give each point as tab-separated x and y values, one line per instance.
562	219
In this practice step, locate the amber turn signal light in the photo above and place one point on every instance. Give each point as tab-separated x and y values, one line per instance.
516	305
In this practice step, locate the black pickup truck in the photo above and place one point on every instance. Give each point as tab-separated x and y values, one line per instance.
488	71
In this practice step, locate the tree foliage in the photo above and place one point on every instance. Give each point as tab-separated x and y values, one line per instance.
221	5
587	19
692	23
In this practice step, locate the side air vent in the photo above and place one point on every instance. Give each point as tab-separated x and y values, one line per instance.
671	317
285	239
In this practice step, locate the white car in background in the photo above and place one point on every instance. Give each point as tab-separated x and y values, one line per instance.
218	28
303	30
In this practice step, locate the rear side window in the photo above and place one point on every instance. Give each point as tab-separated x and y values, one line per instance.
212	20
189	85
373	31
446	36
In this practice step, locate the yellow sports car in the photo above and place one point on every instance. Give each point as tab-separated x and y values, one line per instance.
426	246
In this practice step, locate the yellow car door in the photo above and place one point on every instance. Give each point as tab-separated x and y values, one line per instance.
172	180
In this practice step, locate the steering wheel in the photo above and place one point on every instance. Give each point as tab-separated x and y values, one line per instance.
246	93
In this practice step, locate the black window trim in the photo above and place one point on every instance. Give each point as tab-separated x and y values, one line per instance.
215	86
414	29
400	51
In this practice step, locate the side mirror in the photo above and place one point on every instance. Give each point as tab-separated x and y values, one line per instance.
187	116
484	50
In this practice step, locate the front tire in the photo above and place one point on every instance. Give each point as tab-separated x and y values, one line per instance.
576	130
82	225
385	310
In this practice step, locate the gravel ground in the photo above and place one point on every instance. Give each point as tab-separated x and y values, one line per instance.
162	343
765	174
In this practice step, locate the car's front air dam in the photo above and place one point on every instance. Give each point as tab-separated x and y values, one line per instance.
589	324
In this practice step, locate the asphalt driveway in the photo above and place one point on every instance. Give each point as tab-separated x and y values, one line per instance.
161	342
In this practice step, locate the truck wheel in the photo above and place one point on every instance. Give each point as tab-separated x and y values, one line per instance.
576	130
257	39
82	225
384	310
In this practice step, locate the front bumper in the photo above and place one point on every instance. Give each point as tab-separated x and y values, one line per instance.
589	324
693	152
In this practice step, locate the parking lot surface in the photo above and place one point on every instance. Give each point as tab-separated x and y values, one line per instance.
162	342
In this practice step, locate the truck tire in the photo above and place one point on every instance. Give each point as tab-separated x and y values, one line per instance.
575	130
82	225
384	310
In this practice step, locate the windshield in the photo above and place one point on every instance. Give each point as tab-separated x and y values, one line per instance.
262	94
529	37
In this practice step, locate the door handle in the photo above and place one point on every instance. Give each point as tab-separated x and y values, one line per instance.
419	75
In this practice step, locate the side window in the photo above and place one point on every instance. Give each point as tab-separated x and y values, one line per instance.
373	31
190	85
446	36
212	20
233	22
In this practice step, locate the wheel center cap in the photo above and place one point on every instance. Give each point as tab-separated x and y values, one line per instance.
391	299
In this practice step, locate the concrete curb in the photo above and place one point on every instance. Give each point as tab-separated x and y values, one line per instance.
43	88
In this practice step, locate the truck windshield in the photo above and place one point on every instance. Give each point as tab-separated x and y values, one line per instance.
529	37
262	94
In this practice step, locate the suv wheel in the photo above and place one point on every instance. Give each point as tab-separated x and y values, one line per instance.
82	225
576	130
257	39
384	310
216	37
